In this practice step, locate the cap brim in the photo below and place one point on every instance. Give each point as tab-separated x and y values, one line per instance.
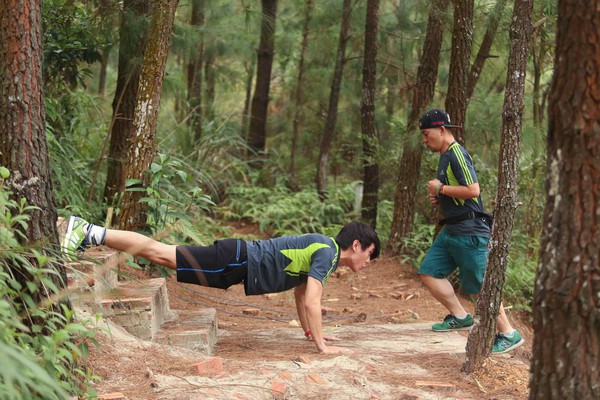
452	126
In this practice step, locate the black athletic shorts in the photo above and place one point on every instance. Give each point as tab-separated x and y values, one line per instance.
221	265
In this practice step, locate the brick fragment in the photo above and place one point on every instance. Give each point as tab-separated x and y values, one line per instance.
251	311
286	375
210	366
279	390
303	359
315	378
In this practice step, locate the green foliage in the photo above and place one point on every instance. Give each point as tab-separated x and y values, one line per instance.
417	243
285	212
168	203
520	272
69	41
41	345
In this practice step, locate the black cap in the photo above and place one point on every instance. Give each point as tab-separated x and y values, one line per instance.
436	118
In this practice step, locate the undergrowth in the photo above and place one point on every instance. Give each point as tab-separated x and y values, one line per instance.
41	342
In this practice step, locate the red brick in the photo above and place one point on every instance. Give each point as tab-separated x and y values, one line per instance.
210	366
303	359
315	378
278	389
287	375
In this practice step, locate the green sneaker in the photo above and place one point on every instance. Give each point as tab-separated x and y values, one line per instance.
75	238
502	343
451	323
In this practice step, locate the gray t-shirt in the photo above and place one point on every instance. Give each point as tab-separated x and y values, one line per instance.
456	168
279	264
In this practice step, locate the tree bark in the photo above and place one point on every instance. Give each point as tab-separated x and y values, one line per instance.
334	96
370	136
566	323
141	146
462	40
410	162
299	98
23	145
257	135
481	338
194	73
131	50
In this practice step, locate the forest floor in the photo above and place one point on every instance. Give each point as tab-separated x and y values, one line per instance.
383	315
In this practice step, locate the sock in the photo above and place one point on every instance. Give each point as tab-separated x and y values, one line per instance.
95	234
509	335
461	318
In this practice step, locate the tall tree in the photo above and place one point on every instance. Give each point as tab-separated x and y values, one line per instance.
132	40
370	136
141	145
23	145
482	335
486	44
257	134
566	323
410	162
334	96
194	72
460	55
299	94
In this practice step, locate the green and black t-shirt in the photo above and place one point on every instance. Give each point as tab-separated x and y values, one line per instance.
279	264
456	168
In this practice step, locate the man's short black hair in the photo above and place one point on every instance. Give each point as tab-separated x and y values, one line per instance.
361	232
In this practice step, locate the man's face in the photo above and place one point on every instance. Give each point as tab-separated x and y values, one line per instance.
360	257
432	138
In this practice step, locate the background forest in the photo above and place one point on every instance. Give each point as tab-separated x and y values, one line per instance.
205	172
304	167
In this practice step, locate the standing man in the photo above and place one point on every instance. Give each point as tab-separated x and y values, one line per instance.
462	243
264	266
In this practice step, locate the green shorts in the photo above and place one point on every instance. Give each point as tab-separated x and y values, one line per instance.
467	253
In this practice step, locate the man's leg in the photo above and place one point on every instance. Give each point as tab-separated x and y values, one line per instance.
504	325
139	245
443	291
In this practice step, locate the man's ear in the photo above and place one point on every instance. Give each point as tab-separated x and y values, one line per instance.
356	246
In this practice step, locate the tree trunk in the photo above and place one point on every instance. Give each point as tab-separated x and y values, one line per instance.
210	92
131	49
539	49
486	44
370	137
249	68
257	135
103	68
194	73
299	95
410	163
334	96
462	39
566	323
23	145
142	147
481	338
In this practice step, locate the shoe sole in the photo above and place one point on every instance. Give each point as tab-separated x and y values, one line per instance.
466	328
511	348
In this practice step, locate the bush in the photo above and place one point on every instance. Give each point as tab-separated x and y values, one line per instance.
41	345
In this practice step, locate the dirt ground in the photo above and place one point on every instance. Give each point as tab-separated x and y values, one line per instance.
382	314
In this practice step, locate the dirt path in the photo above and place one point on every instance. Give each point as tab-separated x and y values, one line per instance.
383	315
